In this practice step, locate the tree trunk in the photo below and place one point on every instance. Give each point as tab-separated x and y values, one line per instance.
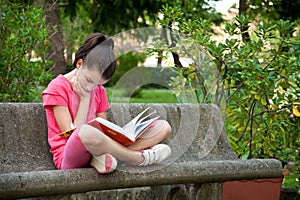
244	29
56	50
242	6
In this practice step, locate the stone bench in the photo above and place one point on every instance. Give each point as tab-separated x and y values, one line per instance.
201	158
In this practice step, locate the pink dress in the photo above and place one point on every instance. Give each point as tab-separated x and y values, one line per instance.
60	93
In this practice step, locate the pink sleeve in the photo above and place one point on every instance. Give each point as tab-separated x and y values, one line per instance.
53	100
102	100
56	94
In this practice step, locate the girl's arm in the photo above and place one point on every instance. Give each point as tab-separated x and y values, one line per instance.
102	115
63	117
82	111
84	97
62	113
64	120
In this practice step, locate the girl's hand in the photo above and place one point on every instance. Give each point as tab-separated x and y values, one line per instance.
79	89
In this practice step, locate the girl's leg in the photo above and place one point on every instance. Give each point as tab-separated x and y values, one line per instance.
97	143
154	135
75	154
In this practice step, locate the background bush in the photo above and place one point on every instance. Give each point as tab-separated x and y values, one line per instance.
23	53
255	72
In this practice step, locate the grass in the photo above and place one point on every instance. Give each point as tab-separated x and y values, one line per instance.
143	96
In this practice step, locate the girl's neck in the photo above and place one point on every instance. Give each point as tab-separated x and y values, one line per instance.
71	74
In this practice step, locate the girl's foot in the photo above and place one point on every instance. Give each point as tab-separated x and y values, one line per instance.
104	164
156	154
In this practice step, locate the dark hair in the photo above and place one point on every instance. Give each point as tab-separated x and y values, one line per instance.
97	52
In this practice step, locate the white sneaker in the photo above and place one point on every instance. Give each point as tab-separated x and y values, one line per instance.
156	154
104	164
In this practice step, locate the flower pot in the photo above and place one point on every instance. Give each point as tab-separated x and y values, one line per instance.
258	189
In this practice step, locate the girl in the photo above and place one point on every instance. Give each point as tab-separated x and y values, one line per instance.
77	97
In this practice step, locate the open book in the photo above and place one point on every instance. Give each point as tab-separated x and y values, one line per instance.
125	135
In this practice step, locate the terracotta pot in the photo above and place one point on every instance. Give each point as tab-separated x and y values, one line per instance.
258	189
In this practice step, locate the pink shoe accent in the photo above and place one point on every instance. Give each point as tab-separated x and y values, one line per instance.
104	164
108	163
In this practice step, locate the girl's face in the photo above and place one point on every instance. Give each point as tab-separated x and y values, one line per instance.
89	79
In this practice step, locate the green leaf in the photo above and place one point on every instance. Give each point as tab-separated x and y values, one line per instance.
263	101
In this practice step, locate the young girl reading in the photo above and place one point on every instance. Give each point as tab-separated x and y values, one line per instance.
73	99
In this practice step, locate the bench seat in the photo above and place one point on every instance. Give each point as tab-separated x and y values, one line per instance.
201	154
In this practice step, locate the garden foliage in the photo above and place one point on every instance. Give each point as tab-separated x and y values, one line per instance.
23	52
256	76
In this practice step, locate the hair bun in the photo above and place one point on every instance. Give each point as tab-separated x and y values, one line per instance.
108	42
90	42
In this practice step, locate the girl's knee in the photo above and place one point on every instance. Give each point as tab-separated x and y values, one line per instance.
90	135
166	129
94	140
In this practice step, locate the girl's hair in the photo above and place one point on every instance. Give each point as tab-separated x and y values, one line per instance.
97	52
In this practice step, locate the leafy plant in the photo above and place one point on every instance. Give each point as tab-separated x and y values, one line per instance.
256	76
23	52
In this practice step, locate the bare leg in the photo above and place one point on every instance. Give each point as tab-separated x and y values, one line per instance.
152	136
97	143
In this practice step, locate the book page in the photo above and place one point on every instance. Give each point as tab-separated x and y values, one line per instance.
143	119
131	125
144	126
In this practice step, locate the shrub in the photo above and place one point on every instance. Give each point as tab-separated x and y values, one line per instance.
23	52
257	77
